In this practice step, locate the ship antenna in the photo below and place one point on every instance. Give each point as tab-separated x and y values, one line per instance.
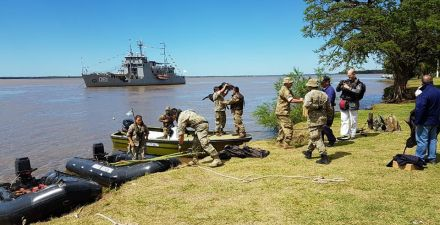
131	51
140	44
164	53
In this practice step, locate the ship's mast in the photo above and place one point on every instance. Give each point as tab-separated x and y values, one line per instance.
140	44
164	53
131	51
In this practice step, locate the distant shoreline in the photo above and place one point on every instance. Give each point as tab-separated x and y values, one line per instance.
46	77
277	75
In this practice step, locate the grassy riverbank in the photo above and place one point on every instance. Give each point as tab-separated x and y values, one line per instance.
371	194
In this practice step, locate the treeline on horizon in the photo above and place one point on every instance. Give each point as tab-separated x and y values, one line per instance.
197	76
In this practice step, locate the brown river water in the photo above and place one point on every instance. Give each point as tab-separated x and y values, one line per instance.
52	120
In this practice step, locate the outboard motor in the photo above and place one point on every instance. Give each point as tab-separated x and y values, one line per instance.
126	123
23	168
98	151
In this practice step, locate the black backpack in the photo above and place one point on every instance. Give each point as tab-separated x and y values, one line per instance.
363	89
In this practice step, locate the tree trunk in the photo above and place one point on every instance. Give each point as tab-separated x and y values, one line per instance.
402	73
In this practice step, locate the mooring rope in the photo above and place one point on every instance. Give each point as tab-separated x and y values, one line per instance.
169	156
111	220
248	179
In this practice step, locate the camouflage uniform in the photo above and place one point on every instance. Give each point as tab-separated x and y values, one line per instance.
220	111
167	122
237	103
189	118
318	108
282	112
139	135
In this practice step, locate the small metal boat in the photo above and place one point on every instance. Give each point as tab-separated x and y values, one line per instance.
161	146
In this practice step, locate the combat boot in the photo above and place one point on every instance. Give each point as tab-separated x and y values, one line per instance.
193	162
216	162
218	134
242	135
307	154
323	160
207	159
286	146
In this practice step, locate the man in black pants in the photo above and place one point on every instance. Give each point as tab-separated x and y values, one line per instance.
326	130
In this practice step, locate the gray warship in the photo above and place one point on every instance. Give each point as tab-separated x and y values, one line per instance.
136	70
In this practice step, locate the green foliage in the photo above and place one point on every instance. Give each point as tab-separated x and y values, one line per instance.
401	34
265	113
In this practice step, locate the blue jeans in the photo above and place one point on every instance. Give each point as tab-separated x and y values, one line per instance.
426	137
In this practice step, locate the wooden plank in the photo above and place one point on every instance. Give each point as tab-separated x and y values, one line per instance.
407	167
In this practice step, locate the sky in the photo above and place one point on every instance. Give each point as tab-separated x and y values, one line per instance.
203	37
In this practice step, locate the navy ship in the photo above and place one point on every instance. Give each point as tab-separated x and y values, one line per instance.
136	70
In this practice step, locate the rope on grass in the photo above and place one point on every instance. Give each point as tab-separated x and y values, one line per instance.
111	220
248	179
76	215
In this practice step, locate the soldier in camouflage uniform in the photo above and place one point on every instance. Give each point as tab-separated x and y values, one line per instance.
167	122
318	109
189	118
220	109
137	135
237	104
282	111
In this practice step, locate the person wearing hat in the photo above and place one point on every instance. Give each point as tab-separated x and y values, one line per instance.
220	109
282	111
189	118
167	122
318	109
331	93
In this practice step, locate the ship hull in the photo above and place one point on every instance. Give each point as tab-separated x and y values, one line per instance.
95	80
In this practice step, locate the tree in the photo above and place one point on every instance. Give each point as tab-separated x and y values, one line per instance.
400	34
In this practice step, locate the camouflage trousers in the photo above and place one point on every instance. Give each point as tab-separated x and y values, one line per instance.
220	120
166	132
238	122
201	140
285	129
138	152
315	140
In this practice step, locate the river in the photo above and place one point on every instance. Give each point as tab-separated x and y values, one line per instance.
52	120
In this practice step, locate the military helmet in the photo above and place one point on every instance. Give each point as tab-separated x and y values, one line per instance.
287	80
168	109
312	83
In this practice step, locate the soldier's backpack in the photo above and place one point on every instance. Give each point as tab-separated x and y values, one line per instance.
392	124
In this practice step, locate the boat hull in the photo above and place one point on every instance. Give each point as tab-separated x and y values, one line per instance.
156	146
63	193
111	176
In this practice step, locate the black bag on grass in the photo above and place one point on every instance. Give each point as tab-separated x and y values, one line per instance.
245	152
403	159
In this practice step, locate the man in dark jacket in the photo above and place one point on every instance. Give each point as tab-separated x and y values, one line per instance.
427	115
330	91
349	104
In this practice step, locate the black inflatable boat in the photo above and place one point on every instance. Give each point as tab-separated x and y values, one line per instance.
30	199
99	168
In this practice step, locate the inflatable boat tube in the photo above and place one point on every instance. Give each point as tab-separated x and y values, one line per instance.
62	193
111	176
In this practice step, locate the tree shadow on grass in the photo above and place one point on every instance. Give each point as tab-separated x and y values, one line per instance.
338	155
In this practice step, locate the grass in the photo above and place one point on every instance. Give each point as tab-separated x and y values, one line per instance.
371	194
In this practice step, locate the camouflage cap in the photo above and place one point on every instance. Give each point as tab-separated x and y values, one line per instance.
312	83
287	80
